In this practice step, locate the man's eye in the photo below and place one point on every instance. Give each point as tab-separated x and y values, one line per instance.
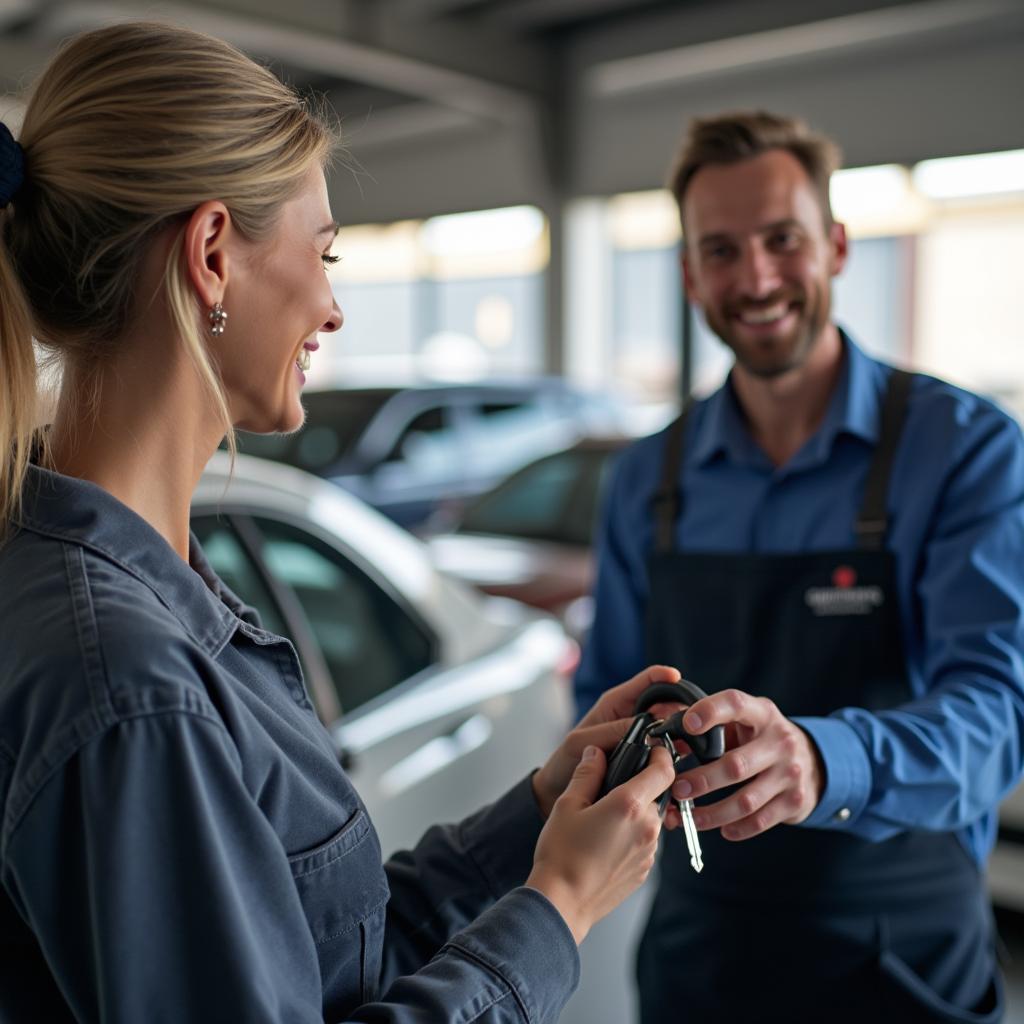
718	253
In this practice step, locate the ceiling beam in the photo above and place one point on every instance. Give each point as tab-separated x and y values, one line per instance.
424	10
536	14
721	57
319	53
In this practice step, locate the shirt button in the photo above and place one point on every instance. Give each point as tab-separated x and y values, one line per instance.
843	814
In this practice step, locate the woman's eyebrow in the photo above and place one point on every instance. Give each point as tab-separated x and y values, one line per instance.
333	228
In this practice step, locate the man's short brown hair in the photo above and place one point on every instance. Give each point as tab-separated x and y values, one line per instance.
729	138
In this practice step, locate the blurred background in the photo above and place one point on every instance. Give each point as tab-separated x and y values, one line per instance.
509	271
502	204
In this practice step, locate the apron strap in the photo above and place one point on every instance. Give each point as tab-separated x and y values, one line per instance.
667	500
873	520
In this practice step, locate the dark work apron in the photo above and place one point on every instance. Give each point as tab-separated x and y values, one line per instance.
802	924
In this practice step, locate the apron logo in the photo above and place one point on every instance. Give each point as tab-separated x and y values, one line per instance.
844	597
844	577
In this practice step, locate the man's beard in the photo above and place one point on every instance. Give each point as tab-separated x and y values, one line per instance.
778	354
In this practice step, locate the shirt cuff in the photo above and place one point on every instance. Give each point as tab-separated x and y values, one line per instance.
847	772
526	942
501	838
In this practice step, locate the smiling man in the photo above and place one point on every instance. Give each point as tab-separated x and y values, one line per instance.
834	550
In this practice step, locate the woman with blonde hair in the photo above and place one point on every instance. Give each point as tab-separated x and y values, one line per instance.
177	840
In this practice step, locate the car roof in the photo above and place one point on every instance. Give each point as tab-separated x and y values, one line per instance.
519	384
382	549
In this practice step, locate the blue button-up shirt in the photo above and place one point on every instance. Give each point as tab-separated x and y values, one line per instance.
945	758
177	839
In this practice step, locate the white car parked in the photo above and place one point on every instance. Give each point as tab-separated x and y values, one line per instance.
438	698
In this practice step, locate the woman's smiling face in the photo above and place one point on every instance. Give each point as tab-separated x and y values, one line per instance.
278	298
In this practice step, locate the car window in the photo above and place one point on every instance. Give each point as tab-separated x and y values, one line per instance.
427	431
231	562
554	498
368	641
335	421
502	436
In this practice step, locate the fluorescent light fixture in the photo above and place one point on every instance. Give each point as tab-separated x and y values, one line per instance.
482	232
868	190
963	177
877	201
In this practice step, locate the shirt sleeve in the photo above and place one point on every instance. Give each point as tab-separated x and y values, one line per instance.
155	887
158	890
614	650
944	760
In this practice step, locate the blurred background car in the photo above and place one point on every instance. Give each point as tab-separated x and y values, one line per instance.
530	536
438	698
405	450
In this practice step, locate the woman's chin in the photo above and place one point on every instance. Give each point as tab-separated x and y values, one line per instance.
284	421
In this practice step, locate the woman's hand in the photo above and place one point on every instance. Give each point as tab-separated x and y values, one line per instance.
593	853
603	726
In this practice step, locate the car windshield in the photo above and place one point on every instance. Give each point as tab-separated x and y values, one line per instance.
335	420
554	499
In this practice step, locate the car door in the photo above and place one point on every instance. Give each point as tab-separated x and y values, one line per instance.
423	741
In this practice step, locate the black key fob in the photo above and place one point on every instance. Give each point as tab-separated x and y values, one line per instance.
633	752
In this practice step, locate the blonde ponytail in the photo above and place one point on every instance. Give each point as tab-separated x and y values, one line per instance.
18	397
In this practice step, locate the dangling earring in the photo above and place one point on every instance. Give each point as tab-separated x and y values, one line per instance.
218	319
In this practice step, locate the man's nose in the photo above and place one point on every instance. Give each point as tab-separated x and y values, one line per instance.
759	275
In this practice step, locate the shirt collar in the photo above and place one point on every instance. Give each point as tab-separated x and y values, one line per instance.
82	513
854	409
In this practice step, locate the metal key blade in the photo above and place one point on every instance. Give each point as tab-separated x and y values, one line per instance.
686	813
692	837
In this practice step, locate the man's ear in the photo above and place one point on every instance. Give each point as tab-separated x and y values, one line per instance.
839	247
204	248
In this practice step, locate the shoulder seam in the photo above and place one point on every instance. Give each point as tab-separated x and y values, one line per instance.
15	815
86	628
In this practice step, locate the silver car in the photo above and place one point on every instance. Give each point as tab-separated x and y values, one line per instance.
438	698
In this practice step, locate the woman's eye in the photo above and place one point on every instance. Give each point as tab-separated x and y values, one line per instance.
330	260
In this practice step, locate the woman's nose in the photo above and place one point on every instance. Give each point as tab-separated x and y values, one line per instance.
336	319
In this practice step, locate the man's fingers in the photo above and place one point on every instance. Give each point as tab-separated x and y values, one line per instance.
773	813
729	706
734	767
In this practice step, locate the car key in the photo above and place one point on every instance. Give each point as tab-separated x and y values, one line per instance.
633	751
686	814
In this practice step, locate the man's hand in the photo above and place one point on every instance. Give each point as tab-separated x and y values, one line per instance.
603	726
777	760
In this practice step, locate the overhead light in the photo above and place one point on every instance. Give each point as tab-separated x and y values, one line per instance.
483	231
962	177
877	200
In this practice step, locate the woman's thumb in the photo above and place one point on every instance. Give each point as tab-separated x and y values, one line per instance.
585	784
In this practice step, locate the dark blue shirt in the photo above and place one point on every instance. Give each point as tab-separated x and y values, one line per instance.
178	841
944	759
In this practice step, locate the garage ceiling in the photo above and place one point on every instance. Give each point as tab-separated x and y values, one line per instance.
465	103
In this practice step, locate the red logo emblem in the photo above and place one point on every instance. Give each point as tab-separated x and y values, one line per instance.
844	577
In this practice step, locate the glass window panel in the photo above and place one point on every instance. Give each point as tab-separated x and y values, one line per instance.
368	642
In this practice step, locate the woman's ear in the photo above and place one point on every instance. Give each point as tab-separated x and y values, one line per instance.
205	250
